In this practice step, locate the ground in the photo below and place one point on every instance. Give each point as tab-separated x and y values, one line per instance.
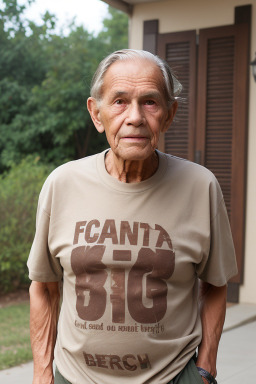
17	297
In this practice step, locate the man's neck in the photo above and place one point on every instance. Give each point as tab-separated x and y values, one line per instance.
131	171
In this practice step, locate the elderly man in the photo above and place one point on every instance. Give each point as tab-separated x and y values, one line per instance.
141	240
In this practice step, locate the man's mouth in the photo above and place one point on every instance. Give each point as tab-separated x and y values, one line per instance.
135	138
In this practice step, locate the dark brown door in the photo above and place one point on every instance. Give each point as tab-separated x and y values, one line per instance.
214	74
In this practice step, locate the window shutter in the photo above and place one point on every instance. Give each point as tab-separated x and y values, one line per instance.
179	50
221	118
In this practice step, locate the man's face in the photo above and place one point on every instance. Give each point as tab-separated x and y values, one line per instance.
133	110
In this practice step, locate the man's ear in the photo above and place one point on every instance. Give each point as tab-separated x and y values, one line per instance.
171	113
94	111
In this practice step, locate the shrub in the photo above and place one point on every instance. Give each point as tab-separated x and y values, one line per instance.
19	190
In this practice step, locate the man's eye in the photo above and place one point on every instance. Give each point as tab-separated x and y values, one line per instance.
150	102
119	101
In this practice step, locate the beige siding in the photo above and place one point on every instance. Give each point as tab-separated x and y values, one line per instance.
248	291
180	15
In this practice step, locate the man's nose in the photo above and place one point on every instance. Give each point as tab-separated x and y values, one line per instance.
135	115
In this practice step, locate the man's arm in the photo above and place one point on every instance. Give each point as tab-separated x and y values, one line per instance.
44	311
213	310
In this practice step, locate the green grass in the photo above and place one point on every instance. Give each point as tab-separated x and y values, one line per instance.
14	336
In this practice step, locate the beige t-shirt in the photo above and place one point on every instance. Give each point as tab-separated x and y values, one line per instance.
130	256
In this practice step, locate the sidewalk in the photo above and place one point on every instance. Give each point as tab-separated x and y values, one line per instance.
237	350
236	357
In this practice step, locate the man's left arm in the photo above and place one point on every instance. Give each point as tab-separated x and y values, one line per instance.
212	301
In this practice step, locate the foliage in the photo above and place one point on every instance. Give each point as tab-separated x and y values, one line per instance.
24	63
19	190
14	337
54	123
44	85
115	30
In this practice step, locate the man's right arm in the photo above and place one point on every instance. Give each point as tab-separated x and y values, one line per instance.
44	312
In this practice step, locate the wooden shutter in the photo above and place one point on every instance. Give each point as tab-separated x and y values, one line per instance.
221	118
179	50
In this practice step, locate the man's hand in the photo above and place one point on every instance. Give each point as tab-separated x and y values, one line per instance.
213	309
44	311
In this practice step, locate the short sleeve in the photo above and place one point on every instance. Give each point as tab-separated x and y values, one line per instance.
219	265
43	266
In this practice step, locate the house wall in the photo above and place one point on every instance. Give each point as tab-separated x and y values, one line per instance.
180	15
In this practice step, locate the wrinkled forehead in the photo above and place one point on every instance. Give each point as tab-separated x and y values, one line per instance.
134	73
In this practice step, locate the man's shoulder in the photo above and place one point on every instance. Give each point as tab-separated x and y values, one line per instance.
189	169
73	167
191	178
66	175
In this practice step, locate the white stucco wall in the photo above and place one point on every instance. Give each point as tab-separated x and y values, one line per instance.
180	15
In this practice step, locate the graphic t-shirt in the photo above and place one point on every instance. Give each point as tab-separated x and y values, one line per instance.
130	256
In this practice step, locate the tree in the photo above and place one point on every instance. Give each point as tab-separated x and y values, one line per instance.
44	85
56	125
115	30
23	64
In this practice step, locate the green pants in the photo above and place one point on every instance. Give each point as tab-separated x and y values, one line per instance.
59	379
189	375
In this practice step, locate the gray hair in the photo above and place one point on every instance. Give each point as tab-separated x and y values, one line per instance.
172	86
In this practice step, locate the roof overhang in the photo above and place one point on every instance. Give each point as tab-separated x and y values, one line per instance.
126	5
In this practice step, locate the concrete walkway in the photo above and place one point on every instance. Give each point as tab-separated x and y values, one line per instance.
19	375
236	357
